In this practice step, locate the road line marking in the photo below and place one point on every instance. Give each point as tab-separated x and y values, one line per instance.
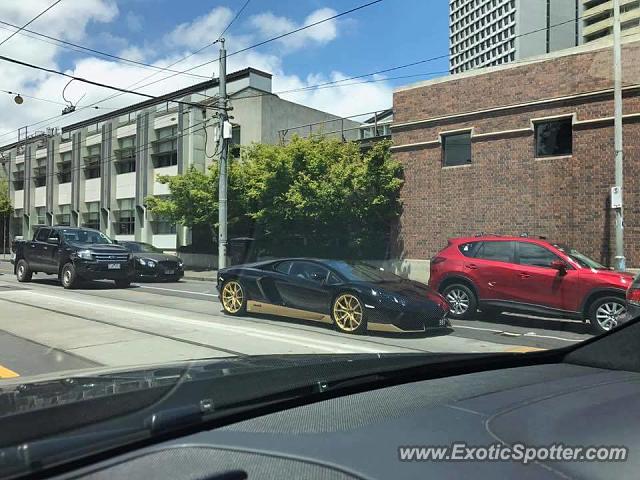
528	334
524	349
178	291
335	347
7	373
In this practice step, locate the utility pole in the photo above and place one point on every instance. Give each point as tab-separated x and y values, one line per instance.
619	260
224	147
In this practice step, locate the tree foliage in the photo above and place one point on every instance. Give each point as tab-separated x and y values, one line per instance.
5	201
310	197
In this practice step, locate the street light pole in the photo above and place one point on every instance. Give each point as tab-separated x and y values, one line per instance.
619	260
222	171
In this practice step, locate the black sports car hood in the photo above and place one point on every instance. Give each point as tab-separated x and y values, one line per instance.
409	289
158	257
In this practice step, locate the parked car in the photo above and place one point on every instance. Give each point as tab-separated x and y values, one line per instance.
352	296
633	300
152	263
73	254
528	275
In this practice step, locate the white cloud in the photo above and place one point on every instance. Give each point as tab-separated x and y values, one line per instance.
270	25
202	30
185	38
134	22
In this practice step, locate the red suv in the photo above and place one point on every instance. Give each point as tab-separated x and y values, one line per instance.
534	276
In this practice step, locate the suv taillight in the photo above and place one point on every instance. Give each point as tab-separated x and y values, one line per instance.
437	260
633	295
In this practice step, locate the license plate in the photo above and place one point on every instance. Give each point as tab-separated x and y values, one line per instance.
169	272
113	266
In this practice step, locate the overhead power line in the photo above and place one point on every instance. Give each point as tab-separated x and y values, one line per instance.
30	22
194	53
234	19
79	48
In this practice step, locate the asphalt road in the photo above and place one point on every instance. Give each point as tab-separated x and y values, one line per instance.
44	328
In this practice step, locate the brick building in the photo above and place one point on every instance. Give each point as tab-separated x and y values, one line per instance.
524	147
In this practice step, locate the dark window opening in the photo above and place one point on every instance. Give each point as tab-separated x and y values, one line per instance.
456	149
554	138
535	255
498	251
126	223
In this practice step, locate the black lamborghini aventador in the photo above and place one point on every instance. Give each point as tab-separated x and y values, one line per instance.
352	295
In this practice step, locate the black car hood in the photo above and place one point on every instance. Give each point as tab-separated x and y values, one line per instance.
408	288
158	257
100	248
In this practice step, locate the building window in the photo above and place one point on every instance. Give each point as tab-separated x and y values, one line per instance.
554	138
92	162
234	144
126	155
18	179
91	218
41	216
125	217
165	148
64	216
456	149
40	174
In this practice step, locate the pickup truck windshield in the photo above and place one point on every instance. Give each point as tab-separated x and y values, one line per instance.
77	235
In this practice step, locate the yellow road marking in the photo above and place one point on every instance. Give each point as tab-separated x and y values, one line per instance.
6	373
523	349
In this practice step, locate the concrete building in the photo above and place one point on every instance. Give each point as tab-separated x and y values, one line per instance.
98	172
484	33
522	148
597	18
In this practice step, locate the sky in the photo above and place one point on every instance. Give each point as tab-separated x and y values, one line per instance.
160	32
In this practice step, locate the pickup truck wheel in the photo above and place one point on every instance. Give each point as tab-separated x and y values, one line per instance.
23	272
68	276
123	283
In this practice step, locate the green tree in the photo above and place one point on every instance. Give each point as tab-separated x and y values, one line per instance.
313	196
5	210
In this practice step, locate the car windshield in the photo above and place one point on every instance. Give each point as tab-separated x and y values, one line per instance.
363	272
580	258
280	182
141	247
76	235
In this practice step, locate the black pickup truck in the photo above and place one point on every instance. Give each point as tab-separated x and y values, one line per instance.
73	254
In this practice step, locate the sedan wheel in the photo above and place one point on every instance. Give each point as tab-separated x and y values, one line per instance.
606	314
348	313
234	301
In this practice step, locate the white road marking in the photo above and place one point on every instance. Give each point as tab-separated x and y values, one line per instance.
529	334
178	291
333	346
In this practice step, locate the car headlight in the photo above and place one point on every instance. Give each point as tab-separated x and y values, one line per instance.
85	254
151	263
180	262
142	262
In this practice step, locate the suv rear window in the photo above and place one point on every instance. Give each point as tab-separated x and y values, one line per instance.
497	251
469	249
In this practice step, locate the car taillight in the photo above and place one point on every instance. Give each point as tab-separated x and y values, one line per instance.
437	260
633	295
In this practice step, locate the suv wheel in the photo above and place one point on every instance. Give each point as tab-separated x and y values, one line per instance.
462	300
68	276
604	313
23	272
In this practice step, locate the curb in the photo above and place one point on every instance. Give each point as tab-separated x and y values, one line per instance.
199	279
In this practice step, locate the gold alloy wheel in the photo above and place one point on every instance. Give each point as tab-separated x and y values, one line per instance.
232	297
347	312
